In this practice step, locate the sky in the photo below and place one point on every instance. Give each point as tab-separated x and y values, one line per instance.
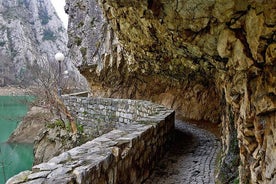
59	6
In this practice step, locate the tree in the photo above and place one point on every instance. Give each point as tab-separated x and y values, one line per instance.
45	90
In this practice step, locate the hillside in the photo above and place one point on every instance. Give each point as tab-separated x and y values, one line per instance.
31	34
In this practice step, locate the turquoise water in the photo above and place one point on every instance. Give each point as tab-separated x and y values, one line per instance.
13	157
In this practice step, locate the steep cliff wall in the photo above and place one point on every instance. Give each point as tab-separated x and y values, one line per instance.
30	34
207	59
136	54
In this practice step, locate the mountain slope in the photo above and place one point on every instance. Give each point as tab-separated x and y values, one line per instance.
30	35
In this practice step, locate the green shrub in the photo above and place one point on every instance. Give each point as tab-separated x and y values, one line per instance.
44	17
2	43
49	35
78	41
59	123
83	51
92	23
236	181
80	24
80	128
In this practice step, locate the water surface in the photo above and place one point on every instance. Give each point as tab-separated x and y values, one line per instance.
13	157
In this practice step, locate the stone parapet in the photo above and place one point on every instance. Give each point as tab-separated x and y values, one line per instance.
100	115
139	134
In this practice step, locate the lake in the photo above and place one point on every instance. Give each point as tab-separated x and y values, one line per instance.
13	157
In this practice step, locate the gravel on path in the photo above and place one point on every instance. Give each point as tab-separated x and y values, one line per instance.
191	159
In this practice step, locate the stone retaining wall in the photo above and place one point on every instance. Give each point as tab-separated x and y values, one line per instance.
100	115
138	136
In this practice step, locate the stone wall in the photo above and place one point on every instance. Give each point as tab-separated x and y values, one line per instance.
126	154
100	115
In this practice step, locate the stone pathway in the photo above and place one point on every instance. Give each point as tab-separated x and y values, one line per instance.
191	160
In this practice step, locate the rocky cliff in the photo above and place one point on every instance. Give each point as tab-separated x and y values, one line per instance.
30	35
208	59
133	53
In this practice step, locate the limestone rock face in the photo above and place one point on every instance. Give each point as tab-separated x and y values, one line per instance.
53	141
134	51
30	35
207	59
36	118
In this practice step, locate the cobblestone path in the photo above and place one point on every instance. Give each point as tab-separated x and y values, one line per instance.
191	160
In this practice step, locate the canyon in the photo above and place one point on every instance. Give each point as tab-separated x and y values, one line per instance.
208	60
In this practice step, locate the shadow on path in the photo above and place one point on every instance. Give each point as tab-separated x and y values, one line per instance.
191	158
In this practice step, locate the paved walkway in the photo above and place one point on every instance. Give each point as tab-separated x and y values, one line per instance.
191	160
